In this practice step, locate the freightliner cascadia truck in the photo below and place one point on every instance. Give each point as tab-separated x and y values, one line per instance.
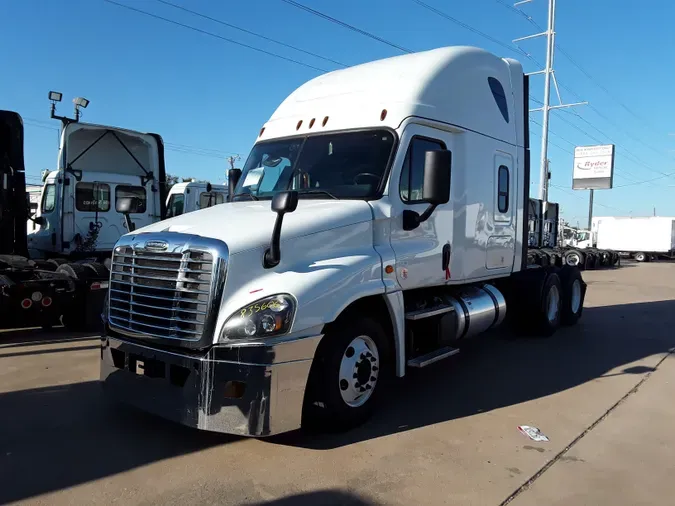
379	223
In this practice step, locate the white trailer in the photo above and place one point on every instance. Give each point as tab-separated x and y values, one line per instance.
380	221
641	238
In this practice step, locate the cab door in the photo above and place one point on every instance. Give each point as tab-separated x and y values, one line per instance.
419	252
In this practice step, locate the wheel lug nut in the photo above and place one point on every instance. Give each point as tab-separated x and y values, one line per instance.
356	385
355	376
344	384
368	387
374	368
373	359
372	378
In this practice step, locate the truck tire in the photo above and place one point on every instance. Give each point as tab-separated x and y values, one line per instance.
589	263
573	295
573	258
76	271
350	370
74	317
99	270
547	317
56	262
641	257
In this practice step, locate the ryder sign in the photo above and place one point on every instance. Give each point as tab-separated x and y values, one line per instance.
593	167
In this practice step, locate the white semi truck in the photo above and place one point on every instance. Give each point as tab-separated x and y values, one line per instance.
380	222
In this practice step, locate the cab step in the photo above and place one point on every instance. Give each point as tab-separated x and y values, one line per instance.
428	312
434	356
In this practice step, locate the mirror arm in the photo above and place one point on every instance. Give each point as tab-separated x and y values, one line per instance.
412	219
273	253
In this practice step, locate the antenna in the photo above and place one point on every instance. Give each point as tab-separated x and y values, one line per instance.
549	74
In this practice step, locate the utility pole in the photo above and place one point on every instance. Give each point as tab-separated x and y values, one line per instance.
590	211
232	160
549	76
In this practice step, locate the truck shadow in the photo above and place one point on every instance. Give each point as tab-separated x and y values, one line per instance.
501	370
57	437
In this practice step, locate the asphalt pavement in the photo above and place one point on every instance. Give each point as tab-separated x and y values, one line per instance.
448	434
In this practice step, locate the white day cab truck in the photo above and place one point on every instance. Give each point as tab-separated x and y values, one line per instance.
380	222
643	239
190	196
109	180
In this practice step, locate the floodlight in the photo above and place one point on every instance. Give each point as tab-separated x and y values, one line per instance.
81	102
55	96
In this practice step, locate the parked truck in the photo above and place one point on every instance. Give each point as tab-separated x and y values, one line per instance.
109	180
379	223
191	196
31	293
641	238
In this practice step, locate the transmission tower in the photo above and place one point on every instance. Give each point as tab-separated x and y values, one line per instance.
549	75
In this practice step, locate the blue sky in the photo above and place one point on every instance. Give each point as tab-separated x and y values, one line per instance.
208	98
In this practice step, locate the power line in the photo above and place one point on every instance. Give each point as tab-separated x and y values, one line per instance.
244	30
211	34
467	27
574	62
564	190
345	25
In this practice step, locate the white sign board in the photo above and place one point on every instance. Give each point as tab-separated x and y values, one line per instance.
593	167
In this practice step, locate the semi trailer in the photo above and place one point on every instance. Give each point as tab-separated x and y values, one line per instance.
379	223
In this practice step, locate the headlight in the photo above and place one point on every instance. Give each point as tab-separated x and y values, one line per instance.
266	317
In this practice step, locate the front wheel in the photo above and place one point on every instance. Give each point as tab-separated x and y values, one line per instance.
349	373
641	257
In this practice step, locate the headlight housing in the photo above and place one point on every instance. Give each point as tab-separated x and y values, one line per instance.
268	317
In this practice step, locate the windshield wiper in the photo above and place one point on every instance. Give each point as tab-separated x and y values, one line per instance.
318	192
253	197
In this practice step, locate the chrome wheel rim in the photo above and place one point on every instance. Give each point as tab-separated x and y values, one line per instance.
553	304
573	259
576	296
359	370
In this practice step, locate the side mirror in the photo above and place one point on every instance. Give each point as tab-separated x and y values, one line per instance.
436	190
285	202
124	206
282	203
209	187
233	176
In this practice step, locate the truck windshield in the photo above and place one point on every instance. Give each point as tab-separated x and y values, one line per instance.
336	165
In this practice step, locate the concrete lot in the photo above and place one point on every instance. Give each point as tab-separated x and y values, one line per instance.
448	434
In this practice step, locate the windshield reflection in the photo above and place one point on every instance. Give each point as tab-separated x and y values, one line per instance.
345	165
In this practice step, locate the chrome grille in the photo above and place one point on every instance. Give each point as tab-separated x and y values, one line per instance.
161	294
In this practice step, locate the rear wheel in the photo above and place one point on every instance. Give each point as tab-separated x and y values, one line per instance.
74	317
573	258
99	270
547	319
573	292
350	371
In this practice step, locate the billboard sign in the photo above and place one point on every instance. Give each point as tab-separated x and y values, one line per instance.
593	167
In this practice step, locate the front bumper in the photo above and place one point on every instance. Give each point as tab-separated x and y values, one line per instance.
248	390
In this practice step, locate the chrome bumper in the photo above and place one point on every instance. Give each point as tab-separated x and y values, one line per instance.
249	390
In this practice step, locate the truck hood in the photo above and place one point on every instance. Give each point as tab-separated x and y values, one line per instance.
247	225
